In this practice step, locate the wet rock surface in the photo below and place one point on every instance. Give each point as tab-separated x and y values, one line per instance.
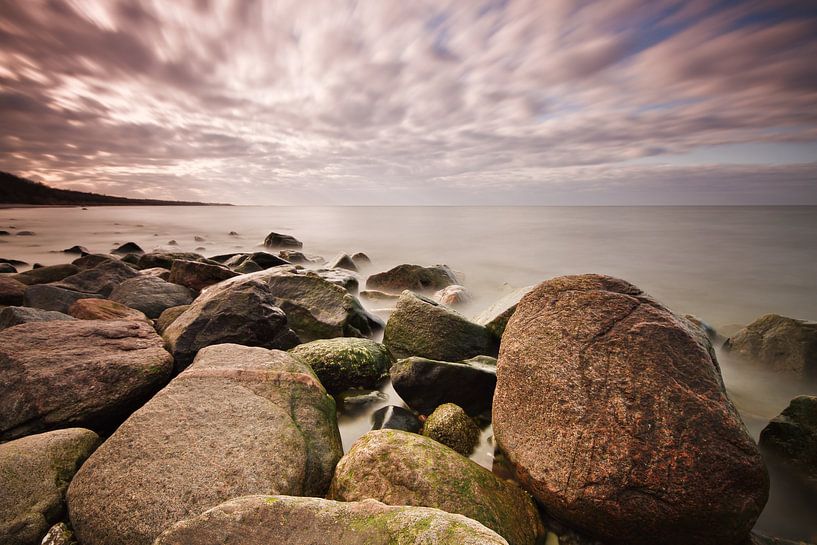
780	344
151	295
345	362
412	277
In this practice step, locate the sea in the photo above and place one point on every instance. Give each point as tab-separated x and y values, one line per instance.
725	265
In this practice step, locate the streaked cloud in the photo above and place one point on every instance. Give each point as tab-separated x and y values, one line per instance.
382	101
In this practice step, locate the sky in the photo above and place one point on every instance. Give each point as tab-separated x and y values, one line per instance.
395	102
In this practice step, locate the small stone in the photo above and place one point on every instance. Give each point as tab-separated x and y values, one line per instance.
128	248
393	417
449	425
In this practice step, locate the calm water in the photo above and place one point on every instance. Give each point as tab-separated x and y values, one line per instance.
727	265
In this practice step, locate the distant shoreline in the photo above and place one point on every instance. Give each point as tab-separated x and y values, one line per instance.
5	206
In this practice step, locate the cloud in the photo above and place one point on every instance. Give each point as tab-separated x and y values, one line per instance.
516	101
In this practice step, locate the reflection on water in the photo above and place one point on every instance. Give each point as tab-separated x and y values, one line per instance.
726	265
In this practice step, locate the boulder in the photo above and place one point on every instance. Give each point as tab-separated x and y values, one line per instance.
395	418
44	275
196	275
79	250
496	317
412	277
613	413
263	260
453	296
361	260
426	384
12	316
76	373
345	362
277	240
265	520
778	343
166	259
151	295
50	297
172	243
315	307
128	248
240	420
791	437
157	272
296	257
343	261
449	425
35	474
101	279
425	328
401	468
231	312
11	291
104	309
169	316
92	260
15	262
341	277
7	268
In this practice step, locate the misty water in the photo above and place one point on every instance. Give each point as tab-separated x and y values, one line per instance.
726	265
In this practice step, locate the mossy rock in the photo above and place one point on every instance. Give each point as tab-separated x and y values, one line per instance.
401	468
449	425
345	362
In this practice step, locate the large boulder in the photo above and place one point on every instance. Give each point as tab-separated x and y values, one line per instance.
425	328
151	295
196	275
613	413
791	437
34	475
166	259
104	309
496	317
316	308
346	362
425	384
778	343
449	425
44	275
231	312
278	240
76	373
266	520
12	316
101	279
11	292
92	260
401	468
412	277
50	297
240	420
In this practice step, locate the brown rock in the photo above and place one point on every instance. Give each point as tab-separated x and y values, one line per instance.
614	414
104	309
778	343
76	373
196	275
412	277
11	292
44	275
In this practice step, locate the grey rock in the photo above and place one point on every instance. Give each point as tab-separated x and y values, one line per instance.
151	295
50	297
496	317
101	279
12	316
278	240
345	362
780	344
44	275
412	277
196	275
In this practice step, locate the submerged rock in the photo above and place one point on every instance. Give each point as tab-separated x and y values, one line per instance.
44	275
778	343
374	295
614	415
238	312
453	296
11	291
35	474
240	420
296	257
791	437
412	277
425	384
255	261
81	250
395	418
104	309
76	373
278	240
128	248
449	425
265	520
361	260
12	316
196	275
496	317
345	362
151	295
7	268
90	261
403	468
343	261
422	327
